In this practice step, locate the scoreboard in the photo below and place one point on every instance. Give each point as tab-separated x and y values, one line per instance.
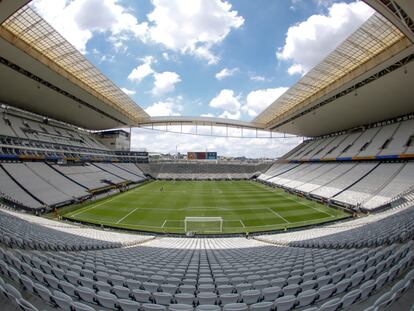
202	155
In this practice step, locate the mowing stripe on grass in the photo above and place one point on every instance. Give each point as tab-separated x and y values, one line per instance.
243	205
92	207
308	204
298	201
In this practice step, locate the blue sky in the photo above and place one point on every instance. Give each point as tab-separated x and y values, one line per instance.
204	57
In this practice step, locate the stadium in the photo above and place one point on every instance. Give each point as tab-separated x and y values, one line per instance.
87	223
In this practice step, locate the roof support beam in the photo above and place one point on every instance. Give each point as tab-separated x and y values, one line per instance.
398	12
8	7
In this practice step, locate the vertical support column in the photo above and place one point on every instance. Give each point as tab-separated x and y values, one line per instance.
130	137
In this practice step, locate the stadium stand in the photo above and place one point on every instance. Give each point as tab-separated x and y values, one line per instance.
27	181
19	124
399	184
370	184
275	170
391	226
199	170
115	170
131	168
171	272
363	168
40	189
31	232
89	176
377	141
36	184
56	180
24	135
119	172
94	176
366	185
14	192
331	172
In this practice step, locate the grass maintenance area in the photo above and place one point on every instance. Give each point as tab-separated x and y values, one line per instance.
244	206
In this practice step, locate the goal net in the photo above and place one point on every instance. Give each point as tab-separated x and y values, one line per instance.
203	224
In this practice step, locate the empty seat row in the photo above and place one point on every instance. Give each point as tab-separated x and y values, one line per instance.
383	140
364	185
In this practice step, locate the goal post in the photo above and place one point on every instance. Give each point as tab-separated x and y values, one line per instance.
203	224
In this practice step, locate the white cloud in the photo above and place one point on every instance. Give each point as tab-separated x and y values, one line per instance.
321	34
142	71
109	59
228	115
127	91
257	101
192	26
165	55
323	3
169	142
258	78
226	100
226	72
209	115
296	69
165	82
167	108
78	20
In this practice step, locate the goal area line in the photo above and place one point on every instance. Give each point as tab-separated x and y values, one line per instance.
179	224
238	223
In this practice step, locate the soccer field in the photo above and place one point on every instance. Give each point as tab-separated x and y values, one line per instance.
245	206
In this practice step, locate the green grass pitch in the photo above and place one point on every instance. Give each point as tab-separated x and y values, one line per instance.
245	206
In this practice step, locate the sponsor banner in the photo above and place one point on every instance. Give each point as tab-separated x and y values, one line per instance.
202	155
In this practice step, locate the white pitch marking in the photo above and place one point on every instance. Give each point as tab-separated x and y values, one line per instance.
303	203
242	223
309	205
92	207
126	216
163	224
278	215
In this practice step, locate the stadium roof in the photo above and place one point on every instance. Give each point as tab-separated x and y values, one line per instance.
29	27
373	37
376	45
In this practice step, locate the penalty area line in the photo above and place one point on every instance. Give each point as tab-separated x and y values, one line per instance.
126	216
278	215
92	207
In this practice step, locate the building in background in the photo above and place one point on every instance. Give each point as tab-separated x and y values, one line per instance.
115	139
